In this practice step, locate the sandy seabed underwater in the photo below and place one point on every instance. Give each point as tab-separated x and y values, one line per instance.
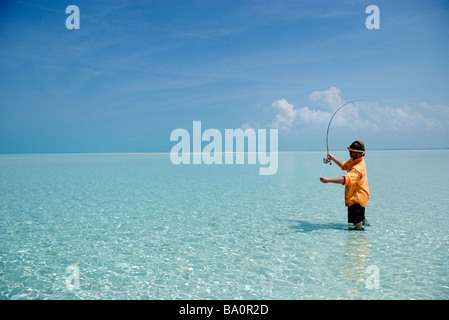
135	226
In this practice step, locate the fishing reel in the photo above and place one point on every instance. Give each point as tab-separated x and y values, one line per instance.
326	161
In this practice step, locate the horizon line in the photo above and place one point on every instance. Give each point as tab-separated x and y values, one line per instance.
224	152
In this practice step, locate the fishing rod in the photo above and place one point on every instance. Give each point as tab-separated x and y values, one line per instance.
326	160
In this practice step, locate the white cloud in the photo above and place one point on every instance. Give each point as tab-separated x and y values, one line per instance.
287	116
329	98
438	111
312	116
407	119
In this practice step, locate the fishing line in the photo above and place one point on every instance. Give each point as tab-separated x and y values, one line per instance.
326	160
322	169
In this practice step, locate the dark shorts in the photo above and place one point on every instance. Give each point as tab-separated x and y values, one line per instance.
356	213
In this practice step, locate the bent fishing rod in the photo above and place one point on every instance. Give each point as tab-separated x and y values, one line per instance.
326	160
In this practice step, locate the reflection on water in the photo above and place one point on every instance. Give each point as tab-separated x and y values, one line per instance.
354	275
356	253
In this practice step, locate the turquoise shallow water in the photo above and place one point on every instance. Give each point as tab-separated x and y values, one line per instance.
135	226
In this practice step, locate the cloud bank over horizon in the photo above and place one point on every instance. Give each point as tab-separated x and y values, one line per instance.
373	115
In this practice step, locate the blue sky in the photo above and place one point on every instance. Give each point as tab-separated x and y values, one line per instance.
136	70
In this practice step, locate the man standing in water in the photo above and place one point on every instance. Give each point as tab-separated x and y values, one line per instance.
355	182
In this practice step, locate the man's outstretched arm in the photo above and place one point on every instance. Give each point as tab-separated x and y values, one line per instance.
340	180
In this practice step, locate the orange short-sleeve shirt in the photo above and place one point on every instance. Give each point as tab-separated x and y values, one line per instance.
356	182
